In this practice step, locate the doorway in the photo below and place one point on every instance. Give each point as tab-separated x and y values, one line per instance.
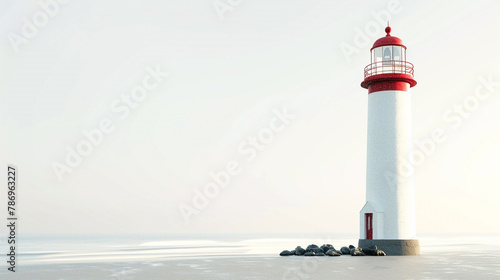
369	227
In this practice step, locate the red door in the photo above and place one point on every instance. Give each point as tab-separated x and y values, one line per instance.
368	223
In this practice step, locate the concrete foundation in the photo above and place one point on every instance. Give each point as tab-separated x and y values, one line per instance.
393	247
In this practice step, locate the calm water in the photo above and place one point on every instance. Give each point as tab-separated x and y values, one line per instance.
116	256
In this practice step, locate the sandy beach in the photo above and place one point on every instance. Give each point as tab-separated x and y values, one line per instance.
246	256
452	265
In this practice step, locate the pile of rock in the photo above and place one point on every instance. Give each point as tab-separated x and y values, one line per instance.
329	250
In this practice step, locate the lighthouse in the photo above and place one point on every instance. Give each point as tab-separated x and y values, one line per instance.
388	217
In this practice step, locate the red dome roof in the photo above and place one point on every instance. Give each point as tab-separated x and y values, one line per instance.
388	40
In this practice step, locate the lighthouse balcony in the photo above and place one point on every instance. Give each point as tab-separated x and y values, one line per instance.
389	67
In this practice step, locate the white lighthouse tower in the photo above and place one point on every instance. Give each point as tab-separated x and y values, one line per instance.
388	217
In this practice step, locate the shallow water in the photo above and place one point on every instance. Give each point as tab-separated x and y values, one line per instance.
242	256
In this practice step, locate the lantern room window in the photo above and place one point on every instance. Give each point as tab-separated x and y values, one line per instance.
388	53
396	53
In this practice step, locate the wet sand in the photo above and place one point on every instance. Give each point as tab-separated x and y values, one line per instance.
229	257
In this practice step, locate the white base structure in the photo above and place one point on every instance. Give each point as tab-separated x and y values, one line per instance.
389	181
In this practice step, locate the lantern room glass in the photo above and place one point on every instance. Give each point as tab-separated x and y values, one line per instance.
388	59
388	53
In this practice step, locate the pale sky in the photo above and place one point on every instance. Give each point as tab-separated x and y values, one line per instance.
288	72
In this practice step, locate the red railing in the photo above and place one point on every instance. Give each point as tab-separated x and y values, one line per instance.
390	66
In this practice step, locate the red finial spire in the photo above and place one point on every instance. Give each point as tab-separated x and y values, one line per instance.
388	29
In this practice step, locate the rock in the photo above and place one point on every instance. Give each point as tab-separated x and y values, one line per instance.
311	247
373	251
326	247
299	251
352	247
320	254
333	253
345	251
286	253
293	252
357	252
370	250
318	251
308	254
336	251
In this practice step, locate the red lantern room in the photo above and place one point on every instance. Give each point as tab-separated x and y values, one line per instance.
388	69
